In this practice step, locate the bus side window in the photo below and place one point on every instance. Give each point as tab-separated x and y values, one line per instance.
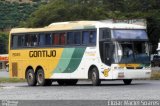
20	40
85	37
48	39
17	41
74	38
27	40
34	39
92	37
62	39
77	38
41	40
45	39
89	37
14	41
55	39
106	34
70	38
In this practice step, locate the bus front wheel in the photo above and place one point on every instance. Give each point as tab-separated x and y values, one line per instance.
95	77
127	81
31	78
41	78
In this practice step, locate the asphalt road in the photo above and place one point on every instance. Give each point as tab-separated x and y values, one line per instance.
4	74
109	90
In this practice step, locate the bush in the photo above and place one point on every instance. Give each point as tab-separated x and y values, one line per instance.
4	42
155	75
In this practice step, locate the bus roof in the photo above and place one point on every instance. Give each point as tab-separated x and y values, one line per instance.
73	25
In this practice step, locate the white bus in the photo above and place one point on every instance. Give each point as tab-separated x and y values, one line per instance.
68	51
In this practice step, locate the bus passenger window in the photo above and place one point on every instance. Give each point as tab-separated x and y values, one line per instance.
14	41
41	39
92	37
27	40
20	41
44	39
77	37
85	37
62	39
55	39
74	38
48	39
89	37
34	39
70	38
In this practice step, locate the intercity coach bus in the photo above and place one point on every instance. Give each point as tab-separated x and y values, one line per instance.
68	51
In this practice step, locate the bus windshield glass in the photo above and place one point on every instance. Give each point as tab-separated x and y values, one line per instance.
131	52
136	34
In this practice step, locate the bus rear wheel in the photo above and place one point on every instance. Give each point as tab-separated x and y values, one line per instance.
127	81
41	78
95	77
31	78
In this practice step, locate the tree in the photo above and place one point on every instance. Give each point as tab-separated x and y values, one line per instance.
71	10
12	13
3	43
61	10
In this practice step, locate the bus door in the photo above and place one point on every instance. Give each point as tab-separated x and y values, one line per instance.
108	49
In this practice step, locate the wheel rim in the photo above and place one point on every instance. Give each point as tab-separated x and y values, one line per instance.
94	76
40	78
30	77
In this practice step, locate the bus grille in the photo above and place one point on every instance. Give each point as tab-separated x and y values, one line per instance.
134	67
139	67
130	67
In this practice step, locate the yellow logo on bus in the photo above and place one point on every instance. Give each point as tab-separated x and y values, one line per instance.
106	72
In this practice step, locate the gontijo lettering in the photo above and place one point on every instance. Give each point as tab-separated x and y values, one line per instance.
42	53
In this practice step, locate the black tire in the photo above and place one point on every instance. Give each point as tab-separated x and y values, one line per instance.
127	81
41	78
95	77
31	77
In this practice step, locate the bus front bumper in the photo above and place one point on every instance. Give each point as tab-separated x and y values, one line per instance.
131	73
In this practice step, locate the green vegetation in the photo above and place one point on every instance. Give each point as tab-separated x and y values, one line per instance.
70	10
11	80
11	14
3	42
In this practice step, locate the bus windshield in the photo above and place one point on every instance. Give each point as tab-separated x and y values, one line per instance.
130	34
131	52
